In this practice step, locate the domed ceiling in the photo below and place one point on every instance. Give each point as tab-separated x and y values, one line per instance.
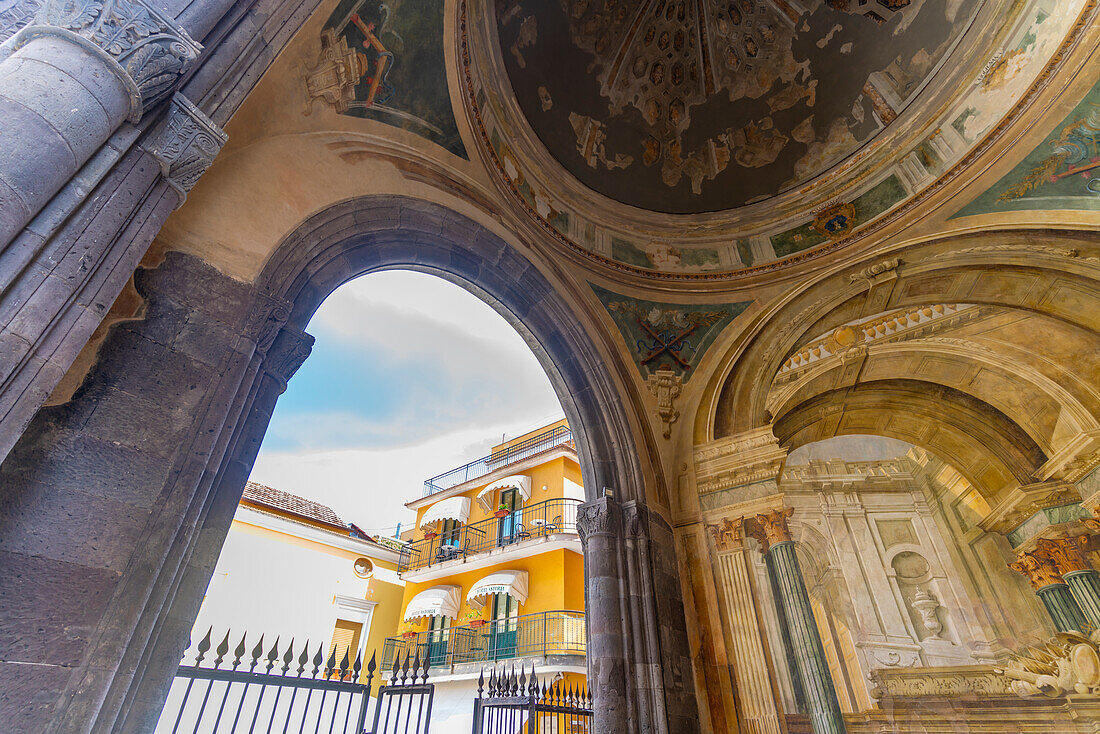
689	106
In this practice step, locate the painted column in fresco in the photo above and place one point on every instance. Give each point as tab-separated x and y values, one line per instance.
1082	579
1050	586
811	668
751	662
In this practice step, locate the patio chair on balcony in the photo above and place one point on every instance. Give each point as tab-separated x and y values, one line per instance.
520	533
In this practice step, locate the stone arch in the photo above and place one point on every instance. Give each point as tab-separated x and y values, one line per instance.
988	448
386	232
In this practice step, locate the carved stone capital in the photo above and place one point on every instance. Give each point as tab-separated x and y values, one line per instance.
728	534
149	51
16	15
598	517
635	519
287	353
1066	554
1038	567
877	273
187	145
666	385
268	316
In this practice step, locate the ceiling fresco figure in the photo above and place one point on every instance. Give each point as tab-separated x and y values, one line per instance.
696	94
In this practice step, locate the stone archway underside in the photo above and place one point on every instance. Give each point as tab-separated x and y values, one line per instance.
151	455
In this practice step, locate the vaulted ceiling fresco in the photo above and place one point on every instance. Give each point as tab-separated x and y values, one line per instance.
687	107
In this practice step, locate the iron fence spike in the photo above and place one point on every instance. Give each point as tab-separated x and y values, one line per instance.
303	659
480	682
222	649
330	664
204	646
318	660
257	651
288	656
273	655
239	652
358	666
372	665
345	664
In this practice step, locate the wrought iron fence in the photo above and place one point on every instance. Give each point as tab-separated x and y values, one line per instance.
531	635
333	696
544	441
534	521
508	703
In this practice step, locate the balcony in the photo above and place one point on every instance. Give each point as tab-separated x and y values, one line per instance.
542	520
560	436
547	634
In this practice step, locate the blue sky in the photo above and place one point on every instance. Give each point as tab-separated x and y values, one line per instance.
410	376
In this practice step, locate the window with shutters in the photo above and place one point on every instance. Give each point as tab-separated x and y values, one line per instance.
345	640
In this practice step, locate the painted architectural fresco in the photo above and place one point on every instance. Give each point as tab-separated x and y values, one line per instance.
1063	172
383	60
1032	33
691	107
665	336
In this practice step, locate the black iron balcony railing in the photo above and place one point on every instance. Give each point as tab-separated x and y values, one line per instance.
479	468
534	521
531	635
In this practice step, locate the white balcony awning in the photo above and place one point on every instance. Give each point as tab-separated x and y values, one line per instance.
512	583
453	508
521	482
438	601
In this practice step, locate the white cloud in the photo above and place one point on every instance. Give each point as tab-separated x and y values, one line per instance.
454	378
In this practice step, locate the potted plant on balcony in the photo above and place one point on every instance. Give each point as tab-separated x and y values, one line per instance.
407	632
474	619
430	534
502	511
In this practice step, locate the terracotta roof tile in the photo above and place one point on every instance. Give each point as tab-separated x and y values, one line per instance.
287	502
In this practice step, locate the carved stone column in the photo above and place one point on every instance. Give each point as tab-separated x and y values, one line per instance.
1041	570
71	78
1082	579
599	524
751	661
771	530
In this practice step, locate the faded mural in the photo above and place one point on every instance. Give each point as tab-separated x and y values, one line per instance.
667	336
383	60
1063	172
670	105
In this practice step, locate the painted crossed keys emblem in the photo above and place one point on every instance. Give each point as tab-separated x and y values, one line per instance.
666	341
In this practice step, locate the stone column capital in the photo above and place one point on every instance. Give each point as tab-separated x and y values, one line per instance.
770	528
148	50
728	534
598	517
186	145
287	353
1038	567
1065	553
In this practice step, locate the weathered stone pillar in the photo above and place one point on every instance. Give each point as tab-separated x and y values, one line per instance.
599	524
1041	570
1081	578
756	694
813	668
70	79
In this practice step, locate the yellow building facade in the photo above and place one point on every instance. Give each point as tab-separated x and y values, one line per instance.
494	571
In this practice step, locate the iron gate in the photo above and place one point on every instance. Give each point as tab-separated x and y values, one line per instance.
508	703
263	692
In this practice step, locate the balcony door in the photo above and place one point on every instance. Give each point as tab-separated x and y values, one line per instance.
438	634
503	627
508	526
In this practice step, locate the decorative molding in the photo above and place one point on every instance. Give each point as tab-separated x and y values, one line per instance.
1026	501
150	51
187	145
17	15
598	517
635	519
738	460
666	386
288	351
880	272
946	682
